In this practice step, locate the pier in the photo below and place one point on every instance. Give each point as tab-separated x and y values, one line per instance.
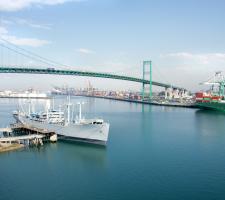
170	104
31	136
44	134
16	142
17	139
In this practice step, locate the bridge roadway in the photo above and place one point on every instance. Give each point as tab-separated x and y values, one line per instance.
81	73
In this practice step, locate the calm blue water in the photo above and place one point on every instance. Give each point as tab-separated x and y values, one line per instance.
153	153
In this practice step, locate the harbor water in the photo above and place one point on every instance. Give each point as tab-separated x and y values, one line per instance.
153	152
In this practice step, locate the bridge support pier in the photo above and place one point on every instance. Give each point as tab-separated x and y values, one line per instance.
147	73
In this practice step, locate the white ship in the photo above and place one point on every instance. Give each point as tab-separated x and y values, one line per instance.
78	128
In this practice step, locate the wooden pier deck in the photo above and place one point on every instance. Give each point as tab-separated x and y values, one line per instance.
45	134
22	137
31	136
18	126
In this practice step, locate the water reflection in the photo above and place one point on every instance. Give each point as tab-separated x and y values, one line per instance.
146	108
82	152
209	122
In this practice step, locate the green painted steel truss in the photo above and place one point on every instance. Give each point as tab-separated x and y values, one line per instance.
80	73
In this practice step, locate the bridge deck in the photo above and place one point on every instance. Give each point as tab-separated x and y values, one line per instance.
81	73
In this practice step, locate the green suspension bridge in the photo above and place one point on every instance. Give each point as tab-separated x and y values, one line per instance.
9	47
23	70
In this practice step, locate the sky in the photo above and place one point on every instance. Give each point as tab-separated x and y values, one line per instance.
183	39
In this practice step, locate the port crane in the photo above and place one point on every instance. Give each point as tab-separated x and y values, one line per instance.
217	83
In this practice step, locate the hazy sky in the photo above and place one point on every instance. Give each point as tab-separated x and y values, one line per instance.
184	39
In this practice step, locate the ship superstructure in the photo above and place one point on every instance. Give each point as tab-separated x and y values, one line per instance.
66	125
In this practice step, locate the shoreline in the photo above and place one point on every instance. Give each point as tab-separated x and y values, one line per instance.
143	102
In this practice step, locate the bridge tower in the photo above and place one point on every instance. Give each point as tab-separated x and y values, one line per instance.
147	75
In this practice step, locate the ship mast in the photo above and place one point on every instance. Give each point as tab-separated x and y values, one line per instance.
53	103
29	107
68	110
80	111
47	108
80	108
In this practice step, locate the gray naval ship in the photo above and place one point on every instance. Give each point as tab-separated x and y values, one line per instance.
78	129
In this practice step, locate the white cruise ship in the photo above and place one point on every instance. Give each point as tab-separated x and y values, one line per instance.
78	128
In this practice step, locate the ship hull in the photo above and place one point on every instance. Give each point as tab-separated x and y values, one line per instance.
89	133
212	105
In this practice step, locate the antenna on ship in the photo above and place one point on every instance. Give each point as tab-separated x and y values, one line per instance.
47	108
32	107
29	107
80	108
68	109
53	103
60	115
72	115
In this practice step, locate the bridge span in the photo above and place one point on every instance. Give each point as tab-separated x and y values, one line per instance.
54	71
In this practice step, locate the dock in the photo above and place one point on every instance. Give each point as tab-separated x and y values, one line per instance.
155	103
22	137
16	142
31	136
19	126
44	134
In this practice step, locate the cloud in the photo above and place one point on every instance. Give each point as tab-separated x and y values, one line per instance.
33	42
24	22
32	24
3	31
203	59
5	22
188	69
179	55
15	5
85	51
